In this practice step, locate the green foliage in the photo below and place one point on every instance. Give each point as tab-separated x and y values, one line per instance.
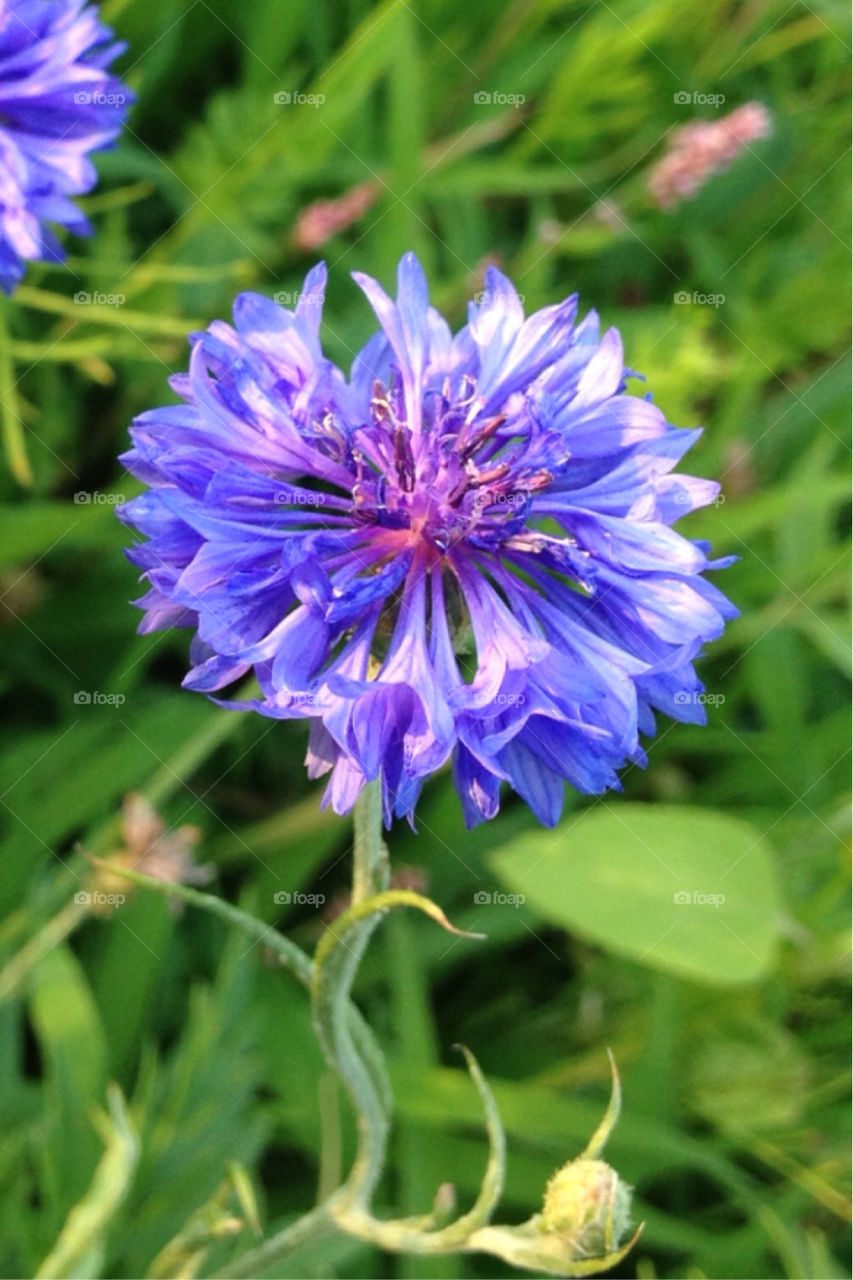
672	886
732	1050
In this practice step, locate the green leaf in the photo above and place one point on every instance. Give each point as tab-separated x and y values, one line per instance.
681	889
79	1252
71	1043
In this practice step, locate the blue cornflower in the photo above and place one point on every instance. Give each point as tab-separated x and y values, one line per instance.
461	552
58	103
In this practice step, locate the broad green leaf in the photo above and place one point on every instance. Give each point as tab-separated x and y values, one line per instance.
680	889
68	1029
71	1042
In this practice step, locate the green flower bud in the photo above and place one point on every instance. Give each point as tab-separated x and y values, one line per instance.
587	1202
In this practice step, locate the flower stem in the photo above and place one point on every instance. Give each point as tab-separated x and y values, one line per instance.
354	1061
11	426
370	857
312	1226
55	931
346	1054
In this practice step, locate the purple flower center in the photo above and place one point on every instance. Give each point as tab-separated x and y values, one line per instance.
457	477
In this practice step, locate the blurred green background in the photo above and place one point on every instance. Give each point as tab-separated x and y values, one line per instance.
728	1019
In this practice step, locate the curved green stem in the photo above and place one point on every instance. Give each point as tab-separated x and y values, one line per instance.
291	956
16	971
338	954
356	1060
362	1073
315	1225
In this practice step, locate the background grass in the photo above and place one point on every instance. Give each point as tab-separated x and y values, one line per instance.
734	1060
